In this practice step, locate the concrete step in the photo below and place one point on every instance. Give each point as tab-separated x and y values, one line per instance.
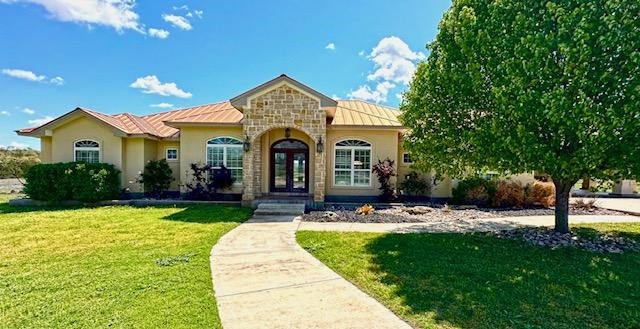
280	209
271	218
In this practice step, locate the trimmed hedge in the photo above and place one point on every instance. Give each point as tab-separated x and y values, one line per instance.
86	182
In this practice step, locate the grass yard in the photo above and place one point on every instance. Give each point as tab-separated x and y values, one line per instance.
110	266
476	281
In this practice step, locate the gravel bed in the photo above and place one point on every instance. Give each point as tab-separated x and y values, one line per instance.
417	214
546	237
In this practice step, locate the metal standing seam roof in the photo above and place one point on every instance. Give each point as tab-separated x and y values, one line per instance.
347	113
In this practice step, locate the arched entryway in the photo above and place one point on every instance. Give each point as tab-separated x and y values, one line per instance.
289	166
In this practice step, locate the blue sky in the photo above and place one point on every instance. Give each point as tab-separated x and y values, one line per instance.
125	56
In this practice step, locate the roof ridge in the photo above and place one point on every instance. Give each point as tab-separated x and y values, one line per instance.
184	108
373	115
133	118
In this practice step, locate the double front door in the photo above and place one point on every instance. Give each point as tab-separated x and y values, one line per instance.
289	166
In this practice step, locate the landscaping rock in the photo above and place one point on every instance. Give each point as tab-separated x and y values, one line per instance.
435	213
547	237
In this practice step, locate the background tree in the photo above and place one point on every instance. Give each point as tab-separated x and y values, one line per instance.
14	163
522	85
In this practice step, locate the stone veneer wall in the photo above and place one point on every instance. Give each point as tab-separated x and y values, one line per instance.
282	107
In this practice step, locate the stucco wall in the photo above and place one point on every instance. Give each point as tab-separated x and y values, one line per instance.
384	143
161	153
64	137
193	149
442	186
45	149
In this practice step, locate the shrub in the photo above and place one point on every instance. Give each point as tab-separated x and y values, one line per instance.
384	170
201	188
87	182
413	184
541	193
474	190
157	177
509	194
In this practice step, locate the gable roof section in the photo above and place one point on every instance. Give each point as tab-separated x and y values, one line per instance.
216	113
241	100
104	118
359	113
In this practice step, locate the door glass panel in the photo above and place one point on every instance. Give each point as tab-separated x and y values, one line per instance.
280	170
299	174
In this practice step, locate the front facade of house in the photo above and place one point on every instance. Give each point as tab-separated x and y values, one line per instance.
281	138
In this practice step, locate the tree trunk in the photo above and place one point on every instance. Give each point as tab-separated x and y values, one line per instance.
585	183
563	190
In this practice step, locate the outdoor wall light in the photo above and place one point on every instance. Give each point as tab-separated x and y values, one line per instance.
320	145
246	145
287	132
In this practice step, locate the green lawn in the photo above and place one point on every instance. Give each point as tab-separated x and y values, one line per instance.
477	281
110	266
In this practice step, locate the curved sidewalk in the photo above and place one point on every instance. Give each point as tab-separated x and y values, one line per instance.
263	279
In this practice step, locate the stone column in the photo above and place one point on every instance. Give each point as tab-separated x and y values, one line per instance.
319	171
247	176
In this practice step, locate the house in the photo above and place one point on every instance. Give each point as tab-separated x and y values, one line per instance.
280	138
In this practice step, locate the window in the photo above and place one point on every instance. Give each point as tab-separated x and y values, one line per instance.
226	151
406	158
172	154
352	165
86	151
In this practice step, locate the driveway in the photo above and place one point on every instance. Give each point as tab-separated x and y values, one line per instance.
630	205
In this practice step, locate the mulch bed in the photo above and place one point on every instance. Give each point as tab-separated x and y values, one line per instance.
439	213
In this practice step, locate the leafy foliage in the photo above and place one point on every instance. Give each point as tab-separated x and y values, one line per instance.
413	184
384	170
87	182
474	190
518	86
14	163
157	177
202	188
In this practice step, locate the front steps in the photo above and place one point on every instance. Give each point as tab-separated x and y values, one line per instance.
279	211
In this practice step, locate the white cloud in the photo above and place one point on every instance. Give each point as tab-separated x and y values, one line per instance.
28	111
40	121
23	74
198	13
335	97
183	7
399	96
30	76
361	53
177	21
162	105
331	46
15	145
118	14
394	61
378	95
5	113
152	85
394	64
158	33
57	81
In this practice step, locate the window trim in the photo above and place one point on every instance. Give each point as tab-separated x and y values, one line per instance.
166	154
76	148
352	170
224	154
409	155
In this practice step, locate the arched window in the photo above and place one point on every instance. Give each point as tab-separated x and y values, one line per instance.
352	163
226	151
86	151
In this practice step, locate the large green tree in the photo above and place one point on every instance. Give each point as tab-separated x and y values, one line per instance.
522	85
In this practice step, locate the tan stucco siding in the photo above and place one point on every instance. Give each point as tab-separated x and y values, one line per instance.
64	137
161	153
384	144
193	141
133	163
45	149
442	186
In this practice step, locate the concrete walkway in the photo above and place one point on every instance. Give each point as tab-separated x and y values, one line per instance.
476	225
263	279
629	205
